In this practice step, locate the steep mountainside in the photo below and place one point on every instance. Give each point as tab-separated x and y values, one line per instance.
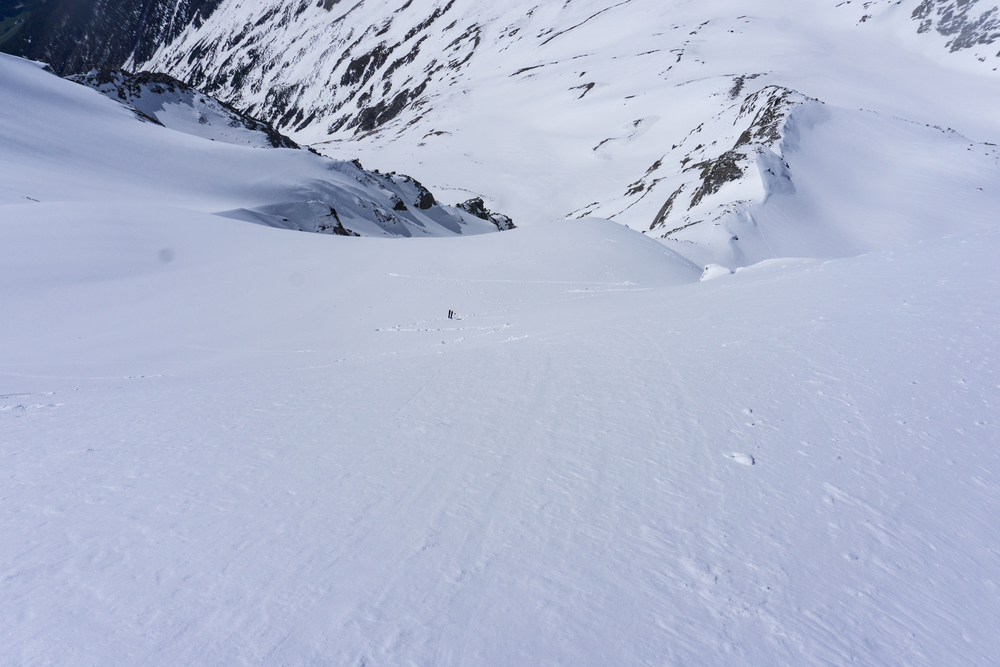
74	36
561	109
354	67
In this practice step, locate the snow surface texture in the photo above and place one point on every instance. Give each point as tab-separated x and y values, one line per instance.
65	142
226	443
559	109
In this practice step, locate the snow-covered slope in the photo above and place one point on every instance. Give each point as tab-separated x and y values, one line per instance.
548	109
570	443
356	66
65	142
223	443
180	107
781	175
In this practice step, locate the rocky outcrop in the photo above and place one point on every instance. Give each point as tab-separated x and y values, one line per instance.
359	202
370	61
701	179
967	23
151	94
478	208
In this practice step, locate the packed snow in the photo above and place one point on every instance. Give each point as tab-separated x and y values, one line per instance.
569	443
228	443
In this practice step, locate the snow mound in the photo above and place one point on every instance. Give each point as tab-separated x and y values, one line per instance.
713	271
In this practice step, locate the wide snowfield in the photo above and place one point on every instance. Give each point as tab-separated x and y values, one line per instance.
223	443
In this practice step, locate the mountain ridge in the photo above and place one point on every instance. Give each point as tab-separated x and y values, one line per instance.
106	154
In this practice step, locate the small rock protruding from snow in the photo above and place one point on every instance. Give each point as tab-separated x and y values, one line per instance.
713	271
477	207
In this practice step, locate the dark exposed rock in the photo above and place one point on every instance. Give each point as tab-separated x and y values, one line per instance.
381	113
426	23
635	188
666	208
716	173
362	68
528	69
409	191
477	207
503	222
75	36
424	198
338	228
766	125
959	20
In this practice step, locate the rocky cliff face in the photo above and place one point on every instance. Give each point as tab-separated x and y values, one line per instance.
967	23
347	68
74	36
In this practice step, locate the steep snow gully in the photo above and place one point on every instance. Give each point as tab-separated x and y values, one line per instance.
727	395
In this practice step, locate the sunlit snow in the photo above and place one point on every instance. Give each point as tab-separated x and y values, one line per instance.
767	439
